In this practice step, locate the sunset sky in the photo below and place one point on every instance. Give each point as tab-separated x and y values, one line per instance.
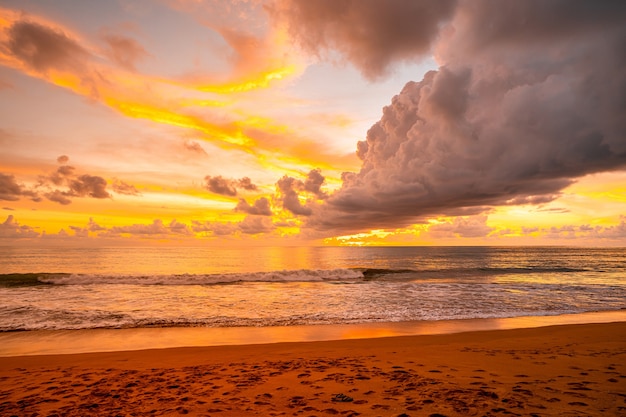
292	122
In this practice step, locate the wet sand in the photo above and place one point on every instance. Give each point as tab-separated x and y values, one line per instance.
568	370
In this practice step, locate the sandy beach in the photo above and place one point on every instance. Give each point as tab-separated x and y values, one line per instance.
568	370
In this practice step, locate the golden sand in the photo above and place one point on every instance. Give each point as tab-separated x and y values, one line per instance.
569	370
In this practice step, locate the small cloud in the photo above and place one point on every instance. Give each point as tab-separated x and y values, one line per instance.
220	185
194	147
468	227
246	184
179	228
314	182
92	226
261	207
61	174
58	196
89	185
10	190
253	225
289	188
13	230
121	187
124	51
216	228
63	159
228	187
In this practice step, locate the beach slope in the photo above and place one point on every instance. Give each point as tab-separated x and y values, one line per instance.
569	370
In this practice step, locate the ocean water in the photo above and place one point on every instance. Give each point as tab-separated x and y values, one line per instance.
85	288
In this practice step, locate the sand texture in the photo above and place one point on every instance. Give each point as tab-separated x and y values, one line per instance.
573	370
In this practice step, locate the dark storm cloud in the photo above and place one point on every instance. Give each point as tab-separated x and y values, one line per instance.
529	96
483	24
371	34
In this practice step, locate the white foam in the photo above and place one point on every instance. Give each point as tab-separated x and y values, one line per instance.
302	275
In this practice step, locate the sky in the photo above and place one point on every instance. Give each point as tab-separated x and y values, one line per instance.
326	122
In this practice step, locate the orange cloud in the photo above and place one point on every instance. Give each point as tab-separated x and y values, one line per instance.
51	52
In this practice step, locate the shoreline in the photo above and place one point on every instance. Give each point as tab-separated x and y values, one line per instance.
568	369
54	342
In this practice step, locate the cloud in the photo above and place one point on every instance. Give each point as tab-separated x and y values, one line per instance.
121	187
510	117
92	226
371	34
194	147
220	185
611	233
314	182
63	159
77	185
252	225
44	48
124	51
89	185
13	230
290	192
216	228
10	190
179	228
261	207
288	195
467	227
58	196
61	175
485	25
246	184
156	228
228	187
79	231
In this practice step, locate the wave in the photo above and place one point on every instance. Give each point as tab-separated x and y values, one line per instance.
349	275
33	279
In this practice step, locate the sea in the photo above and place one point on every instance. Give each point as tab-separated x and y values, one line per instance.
132	288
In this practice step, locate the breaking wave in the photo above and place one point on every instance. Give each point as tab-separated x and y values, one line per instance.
350	275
